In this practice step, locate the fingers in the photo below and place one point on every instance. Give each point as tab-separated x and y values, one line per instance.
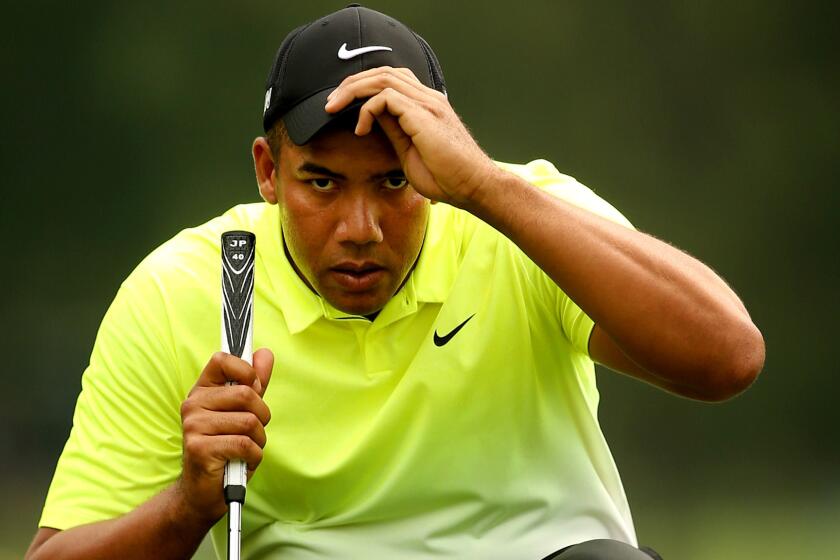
222	422
371	82
223	368
207	423
389	91
200	484
383	74
386	103
233	398
403	72
217	410
208	454
393	103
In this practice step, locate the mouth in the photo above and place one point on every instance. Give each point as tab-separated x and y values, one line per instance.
357	277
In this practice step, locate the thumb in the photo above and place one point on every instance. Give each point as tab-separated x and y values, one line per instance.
263	360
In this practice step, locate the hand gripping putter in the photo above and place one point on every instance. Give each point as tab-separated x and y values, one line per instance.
237	331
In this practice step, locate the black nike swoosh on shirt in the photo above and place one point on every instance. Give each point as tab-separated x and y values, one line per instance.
441	340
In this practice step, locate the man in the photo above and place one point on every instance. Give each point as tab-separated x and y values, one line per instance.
431	366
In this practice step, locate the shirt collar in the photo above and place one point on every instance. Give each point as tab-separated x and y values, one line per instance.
437	265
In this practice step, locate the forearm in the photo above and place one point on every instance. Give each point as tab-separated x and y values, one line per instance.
163	527
668	312
220	422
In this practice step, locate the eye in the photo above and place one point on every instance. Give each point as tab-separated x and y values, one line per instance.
322	184
395	183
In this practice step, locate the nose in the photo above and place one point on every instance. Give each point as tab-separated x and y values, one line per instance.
359	221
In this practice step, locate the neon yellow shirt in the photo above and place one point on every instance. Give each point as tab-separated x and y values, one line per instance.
382	444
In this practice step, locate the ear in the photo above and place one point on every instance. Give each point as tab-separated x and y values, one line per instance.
265	169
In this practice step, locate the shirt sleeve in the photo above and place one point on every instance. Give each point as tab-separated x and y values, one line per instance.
576	325
125	443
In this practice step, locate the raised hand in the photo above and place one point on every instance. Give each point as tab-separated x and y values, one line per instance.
440	158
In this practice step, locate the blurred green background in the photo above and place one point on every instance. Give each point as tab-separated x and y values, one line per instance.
711	124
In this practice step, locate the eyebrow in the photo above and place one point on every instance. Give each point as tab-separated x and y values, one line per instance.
309	167
315	169
392	174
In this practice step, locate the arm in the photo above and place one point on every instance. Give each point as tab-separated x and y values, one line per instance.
163	527
219	423
662	316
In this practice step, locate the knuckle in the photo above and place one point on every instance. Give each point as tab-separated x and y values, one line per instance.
242	393
187	407
192	446
435	109
250	423
188	426
254	399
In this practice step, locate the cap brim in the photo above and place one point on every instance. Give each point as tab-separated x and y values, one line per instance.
307	118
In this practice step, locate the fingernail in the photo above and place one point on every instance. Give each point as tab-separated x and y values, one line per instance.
330	96
257	386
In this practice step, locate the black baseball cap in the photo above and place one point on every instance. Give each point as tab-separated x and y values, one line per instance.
314	58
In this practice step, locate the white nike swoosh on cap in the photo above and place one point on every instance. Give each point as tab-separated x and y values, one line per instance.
345	54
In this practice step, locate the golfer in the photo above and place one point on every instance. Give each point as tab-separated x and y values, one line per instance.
427	322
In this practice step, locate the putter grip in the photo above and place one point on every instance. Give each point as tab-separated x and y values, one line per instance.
237	326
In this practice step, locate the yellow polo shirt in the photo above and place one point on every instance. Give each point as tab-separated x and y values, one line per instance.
398	438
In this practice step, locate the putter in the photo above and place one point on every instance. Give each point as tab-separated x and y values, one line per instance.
237	331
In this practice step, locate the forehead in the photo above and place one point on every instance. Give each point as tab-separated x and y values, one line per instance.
340	147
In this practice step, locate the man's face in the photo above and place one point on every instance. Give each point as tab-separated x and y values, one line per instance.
352	223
